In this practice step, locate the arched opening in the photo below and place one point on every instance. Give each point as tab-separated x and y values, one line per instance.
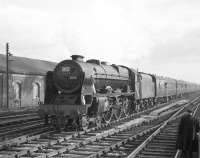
17	90
36	93
36	90
17	93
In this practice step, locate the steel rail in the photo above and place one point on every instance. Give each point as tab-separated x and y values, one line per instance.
61	139
106	135
125	140
150	138
75	134
178	152
116	137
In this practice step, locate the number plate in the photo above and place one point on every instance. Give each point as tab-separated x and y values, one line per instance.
66	69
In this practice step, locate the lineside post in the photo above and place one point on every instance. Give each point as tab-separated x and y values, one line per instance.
7	76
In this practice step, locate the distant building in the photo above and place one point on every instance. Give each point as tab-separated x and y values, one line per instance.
26	81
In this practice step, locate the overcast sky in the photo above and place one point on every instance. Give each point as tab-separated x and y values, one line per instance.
161	36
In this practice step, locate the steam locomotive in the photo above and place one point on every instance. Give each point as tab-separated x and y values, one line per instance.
79	93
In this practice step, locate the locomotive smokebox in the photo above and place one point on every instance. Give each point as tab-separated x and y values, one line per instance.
68	75
77	57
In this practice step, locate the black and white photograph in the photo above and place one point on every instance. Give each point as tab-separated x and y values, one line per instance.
99	79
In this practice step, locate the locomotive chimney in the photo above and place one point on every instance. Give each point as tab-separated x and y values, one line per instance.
77	57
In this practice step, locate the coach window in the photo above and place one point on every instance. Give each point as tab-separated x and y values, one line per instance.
17	90
36	90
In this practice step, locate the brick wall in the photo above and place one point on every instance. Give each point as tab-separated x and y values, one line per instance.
21	89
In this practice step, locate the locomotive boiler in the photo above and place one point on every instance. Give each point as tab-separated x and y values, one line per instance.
79	92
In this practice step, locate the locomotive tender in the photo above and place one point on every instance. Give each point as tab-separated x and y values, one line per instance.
79	92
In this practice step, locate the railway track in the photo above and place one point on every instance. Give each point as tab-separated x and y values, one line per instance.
162	143
24	124
56	144
30	127
15	116
53	144
18	124
120	144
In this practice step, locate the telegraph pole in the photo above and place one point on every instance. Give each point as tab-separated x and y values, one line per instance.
7	75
